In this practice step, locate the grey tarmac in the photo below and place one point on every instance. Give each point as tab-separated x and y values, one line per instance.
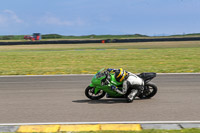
61	98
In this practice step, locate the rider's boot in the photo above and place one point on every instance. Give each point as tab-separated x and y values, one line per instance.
132	95
138	89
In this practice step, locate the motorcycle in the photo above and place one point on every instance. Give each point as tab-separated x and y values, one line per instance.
103	80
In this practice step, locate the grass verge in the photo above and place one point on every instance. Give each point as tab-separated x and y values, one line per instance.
161	57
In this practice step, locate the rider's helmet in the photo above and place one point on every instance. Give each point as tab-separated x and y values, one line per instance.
120	75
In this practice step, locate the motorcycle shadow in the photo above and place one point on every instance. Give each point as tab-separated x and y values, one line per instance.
103	101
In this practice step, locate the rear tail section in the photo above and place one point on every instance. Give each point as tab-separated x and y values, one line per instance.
147	76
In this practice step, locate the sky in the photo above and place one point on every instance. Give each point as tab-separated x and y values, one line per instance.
99	17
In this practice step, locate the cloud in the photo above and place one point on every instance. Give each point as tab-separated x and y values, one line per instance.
56	21
104	18
9	16
52	20
3	19
13	16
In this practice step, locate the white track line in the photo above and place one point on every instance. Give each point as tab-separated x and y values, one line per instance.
114	122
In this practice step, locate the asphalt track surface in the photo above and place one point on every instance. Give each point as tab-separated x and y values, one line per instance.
40	99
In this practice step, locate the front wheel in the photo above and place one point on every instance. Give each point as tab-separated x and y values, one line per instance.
89	92
150	89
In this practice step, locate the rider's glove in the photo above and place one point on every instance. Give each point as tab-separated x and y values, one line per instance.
109	69
113	87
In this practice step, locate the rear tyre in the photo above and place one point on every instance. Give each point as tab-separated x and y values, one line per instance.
89	92
149	91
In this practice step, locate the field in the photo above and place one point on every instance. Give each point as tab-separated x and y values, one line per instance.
160	57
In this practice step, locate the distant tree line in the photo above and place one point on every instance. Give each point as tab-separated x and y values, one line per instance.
51	36
7	37
57	36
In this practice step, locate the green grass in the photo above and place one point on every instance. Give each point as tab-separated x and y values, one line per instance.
168	57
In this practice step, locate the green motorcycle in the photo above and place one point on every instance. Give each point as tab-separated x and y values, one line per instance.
103	80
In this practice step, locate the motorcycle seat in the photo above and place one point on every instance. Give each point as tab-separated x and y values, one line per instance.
147	76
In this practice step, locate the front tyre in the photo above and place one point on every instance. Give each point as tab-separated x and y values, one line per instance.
89	92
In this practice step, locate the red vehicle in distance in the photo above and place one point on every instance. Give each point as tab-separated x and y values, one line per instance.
27	37
36	36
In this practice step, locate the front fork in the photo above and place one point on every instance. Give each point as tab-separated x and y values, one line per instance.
96	90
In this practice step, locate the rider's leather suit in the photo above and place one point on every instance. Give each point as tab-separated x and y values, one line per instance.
131	80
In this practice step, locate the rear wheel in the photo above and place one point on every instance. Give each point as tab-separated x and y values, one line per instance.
89	92
149	91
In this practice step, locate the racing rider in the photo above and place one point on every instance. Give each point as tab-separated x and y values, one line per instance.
129	80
